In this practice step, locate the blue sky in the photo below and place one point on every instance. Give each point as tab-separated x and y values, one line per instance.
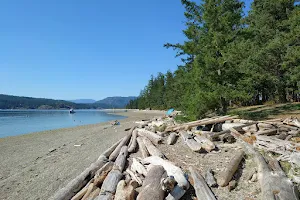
69	49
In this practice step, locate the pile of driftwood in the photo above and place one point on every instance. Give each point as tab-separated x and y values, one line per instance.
121	176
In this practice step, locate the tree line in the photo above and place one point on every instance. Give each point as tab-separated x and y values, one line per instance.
230	58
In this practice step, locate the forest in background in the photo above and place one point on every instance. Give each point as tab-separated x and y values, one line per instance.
230	59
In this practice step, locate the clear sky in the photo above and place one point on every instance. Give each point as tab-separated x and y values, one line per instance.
70	49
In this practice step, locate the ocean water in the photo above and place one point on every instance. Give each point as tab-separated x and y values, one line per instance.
17	122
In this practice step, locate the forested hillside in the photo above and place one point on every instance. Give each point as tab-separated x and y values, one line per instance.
115	102
230	58
16	102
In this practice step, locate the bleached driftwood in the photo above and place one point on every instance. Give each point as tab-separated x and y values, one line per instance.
81	180
227	126
153	151
105	196
134	176
133	143
191	143
121	159
171	138
136	166
156	139
274	184
107	152
215	135
210	179
123	142
142	147
102	173
187	126
279	146
170	168
201	188
152	189
125	191
90	189
267	132
231	168
205	143
94	194
80	194
110	183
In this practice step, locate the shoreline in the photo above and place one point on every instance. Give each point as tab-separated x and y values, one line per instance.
35	165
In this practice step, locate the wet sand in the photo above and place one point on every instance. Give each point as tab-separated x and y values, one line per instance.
35	165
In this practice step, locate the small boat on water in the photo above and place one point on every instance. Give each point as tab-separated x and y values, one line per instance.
72	111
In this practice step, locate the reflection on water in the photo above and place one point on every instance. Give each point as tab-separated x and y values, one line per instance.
17	122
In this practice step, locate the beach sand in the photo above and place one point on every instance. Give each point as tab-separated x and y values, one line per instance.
34	166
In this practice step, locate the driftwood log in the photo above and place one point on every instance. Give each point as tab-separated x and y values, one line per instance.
171	138
123	142
136	166
107	152
205	143
142	147
274	184
170	168
152	189
188	126
156	139
201	188
81	180
191	143
109	185
125	191
134	176
231	169
133	143
153	151
102	173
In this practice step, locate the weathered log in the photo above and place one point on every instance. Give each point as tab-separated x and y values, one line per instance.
136	166
156	139
125	191
94	194
77	183
142	147
205	143
105	196
80	194
121	159
171	138
231	168
201	188
111	181
102	173
152	189
133	144
191	143
90	189
267	132
124	141
170	168
153	151
110	149
187	126
215	136
210	179
274	185
227	137
227	126
134	176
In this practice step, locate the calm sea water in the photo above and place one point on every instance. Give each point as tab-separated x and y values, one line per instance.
17	122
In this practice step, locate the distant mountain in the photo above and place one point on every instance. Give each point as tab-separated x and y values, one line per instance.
114	102
84	101
17	102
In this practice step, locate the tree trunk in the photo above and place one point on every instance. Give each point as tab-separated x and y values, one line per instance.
125	191
231	168
191	143
201	188
133	144
156	139
205	143
136	166
142	147
121	159
152	189
124	141
171	138
153	151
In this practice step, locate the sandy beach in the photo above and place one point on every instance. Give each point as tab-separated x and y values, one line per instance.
34	166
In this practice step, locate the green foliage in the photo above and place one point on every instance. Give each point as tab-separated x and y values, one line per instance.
228	58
